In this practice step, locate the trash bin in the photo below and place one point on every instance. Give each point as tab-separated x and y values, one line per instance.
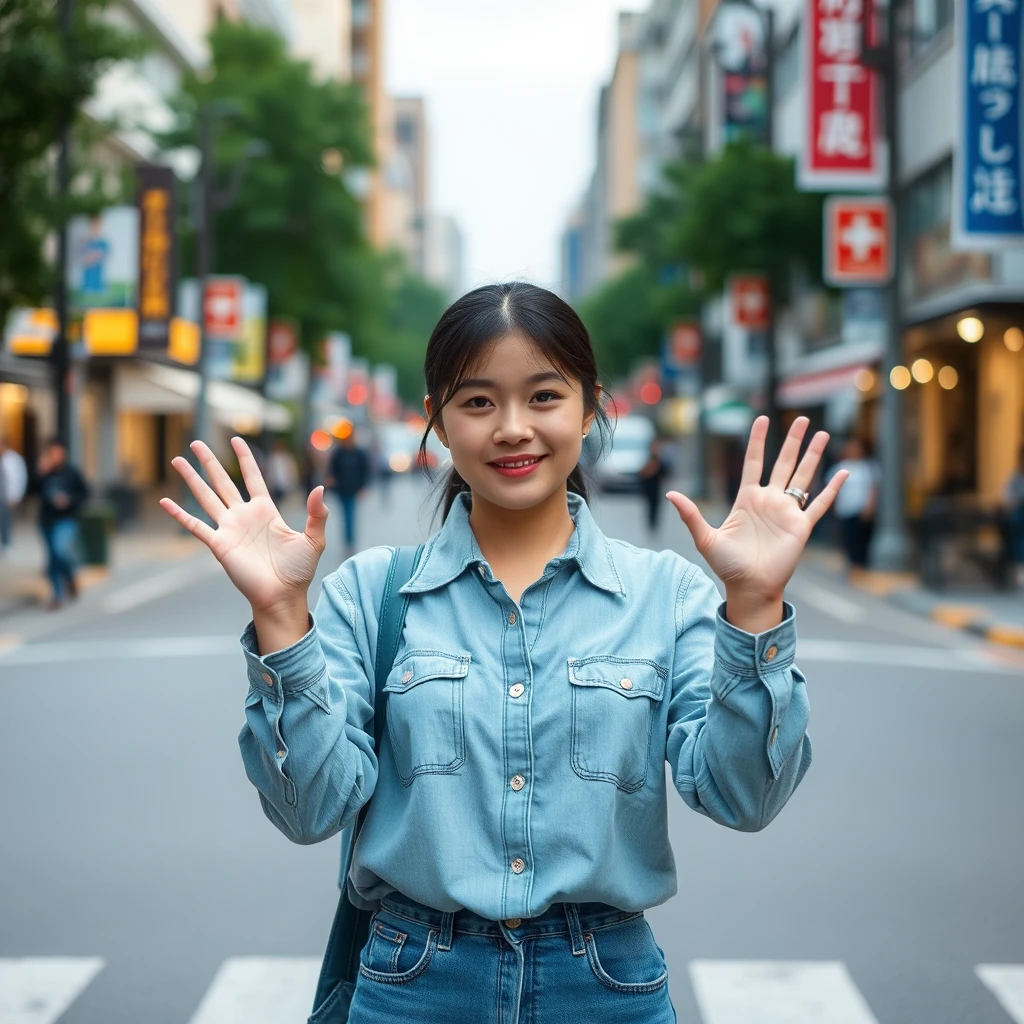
96	523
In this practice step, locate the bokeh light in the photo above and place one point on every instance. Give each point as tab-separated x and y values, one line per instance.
900	378
948	378
970	328
922	370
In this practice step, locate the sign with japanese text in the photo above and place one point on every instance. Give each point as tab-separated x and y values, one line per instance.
749	301
222	307
157	286
841	148
858	240
987	204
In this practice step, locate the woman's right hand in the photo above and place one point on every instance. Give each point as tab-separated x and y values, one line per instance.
271	564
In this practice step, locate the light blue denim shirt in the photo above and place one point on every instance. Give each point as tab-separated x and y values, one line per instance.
523	762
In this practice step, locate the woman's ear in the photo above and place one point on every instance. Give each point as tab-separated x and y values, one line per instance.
438	426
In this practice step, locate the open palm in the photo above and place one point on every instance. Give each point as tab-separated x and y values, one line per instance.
267	561
760	542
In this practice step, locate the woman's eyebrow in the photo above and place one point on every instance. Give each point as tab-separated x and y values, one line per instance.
537	378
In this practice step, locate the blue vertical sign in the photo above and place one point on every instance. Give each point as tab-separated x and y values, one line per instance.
988	209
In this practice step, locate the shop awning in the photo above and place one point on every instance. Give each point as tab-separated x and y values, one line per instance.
725	412
818	387
149	387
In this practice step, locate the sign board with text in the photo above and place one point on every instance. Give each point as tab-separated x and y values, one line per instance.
158	287
749	301
858	240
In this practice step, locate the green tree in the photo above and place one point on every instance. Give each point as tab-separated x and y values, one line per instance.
296	226
41	79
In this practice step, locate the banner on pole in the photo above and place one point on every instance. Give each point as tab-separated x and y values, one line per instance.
157	256
988	211
841	148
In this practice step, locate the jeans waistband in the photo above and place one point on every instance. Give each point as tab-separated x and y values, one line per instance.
559	919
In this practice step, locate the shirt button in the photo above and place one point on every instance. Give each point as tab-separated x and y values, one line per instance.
511	618
406	677
769	655
626	684
268	679
280	753
517	782
483	569
516	690
513	922
518	866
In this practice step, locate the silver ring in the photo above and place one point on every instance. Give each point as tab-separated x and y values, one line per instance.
801	496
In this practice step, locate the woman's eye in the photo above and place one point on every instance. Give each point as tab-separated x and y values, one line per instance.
546	395
477	398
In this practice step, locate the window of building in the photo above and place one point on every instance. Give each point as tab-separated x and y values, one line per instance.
405	131
930	18
787	63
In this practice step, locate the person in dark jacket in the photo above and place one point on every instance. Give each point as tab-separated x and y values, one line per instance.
652	479
62	493
348	473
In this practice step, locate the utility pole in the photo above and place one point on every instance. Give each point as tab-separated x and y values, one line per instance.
771	405
63	381
890	549
204	263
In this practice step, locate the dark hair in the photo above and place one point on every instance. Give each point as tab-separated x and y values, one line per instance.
480	319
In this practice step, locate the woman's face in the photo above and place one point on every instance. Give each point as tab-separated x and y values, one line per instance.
514	406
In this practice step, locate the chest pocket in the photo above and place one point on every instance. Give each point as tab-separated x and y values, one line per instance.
425	713
613	711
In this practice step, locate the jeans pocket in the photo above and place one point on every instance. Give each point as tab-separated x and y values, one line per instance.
614	702
397	951
625	958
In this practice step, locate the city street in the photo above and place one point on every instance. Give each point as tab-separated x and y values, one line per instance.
142	883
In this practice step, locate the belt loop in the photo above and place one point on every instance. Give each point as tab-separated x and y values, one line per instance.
575	929
444	941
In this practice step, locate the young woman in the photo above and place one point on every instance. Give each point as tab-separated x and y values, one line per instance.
517	828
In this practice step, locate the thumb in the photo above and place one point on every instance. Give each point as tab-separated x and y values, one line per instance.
316	519
702	534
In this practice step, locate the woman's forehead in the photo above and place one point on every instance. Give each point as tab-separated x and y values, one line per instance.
510	359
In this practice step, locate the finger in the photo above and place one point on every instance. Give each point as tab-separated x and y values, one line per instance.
701	533
216	474
753	464
208	501
823	502
195	526
254	482
786	462
804	475
316	517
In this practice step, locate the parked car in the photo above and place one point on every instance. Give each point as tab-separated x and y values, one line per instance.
618	470
397	446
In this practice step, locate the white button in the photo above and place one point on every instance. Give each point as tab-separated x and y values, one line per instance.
769	655
517	782
518	866
483	570
280	753
516	690
511	618
406	677
268	679
626	684
513	922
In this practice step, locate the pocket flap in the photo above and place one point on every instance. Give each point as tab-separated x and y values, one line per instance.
419	666
629	677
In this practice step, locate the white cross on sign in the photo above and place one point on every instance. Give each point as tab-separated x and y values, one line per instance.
857	240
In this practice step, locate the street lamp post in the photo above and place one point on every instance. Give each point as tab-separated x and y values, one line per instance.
63	381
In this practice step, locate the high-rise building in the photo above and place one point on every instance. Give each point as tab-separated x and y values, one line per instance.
444	257
407	175
322	34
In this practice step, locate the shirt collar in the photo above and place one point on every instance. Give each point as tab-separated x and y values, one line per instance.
453	549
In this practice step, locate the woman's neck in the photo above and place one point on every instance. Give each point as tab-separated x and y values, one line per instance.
506	535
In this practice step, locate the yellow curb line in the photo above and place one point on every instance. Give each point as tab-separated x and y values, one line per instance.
1011	636
957	615
882	584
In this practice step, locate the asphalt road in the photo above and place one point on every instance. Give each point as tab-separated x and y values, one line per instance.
139	877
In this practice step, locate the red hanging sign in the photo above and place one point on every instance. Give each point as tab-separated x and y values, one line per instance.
858	240
841	148
751	303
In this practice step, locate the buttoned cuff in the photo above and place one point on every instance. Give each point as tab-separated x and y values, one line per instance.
289	670
753	654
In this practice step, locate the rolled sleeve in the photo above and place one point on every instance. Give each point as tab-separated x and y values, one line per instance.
290	670
738	714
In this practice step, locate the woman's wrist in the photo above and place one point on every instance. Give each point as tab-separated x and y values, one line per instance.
753	613
280	626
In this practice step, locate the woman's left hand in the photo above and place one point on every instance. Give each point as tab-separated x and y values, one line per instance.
756	550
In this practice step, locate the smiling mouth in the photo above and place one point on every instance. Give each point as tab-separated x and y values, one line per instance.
518	463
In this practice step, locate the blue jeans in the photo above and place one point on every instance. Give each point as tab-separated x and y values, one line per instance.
576	962
61	538
1017	533
348	508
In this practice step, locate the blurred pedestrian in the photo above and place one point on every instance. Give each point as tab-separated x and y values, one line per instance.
856	503
1014	498
652	478
13	481
348	473
62	493
282	472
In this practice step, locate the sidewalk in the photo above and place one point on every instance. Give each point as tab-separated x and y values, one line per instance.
155	540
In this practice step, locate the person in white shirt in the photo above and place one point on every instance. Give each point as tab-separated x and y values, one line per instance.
13	481
855	504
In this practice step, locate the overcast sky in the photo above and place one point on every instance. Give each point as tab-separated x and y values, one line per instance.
511	91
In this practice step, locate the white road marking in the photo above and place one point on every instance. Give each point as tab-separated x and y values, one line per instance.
950	659
825	600
37	990
106	650
154	587
260	990
777	992
1007	984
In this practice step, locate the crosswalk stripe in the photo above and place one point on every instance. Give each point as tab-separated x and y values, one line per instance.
37	990
1006	982
951	659
777	992
260	990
